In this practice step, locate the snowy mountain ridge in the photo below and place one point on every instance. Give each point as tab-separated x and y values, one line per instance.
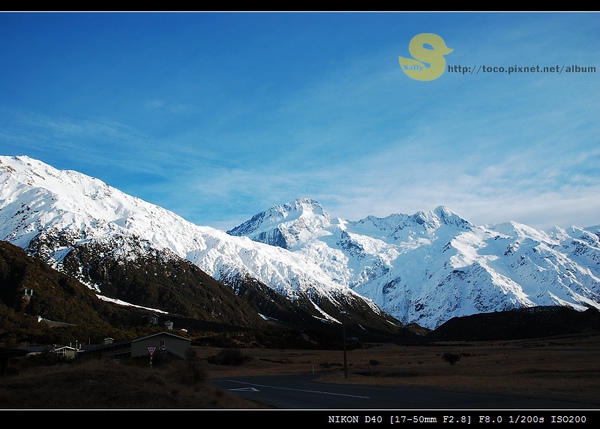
425	268
432	266
64	209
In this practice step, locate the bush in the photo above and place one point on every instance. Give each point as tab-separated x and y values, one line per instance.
228	357
451	358
189	372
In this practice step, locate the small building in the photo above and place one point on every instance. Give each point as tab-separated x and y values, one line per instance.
66	352
163	342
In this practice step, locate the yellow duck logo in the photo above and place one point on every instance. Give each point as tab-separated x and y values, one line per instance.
434	60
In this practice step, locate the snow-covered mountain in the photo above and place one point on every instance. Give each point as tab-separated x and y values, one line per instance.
432	266
425	268
51	213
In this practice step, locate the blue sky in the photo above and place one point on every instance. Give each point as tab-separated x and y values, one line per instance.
218	116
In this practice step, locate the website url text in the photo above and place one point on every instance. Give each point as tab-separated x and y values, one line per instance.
519	69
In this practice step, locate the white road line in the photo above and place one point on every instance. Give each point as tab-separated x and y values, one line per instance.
299	390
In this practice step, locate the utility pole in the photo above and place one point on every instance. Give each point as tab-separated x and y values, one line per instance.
343	313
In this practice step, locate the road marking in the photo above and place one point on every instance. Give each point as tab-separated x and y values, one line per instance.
299	390
245	389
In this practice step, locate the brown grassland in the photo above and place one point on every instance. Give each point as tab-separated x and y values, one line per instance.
565	368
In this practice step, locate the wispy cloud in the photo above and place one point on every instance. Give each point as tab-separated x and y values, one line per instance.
281	106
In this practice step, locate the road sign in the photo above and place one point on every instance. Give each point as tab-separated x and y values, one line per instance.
151	349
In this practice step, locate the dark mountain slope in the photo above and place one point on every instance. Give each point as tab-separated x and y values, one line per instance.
161	280
30	289
535	322
359	319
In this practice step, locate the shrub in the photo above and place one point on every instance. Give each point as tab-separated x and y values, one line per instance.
189	372
451	358
228	357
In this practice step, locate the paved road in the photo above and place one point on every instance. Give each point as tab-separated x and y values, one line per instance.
300	392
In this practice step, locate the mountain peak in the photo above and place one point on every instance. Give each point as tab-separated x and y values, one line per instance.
284	225
439	216
304	205
448	217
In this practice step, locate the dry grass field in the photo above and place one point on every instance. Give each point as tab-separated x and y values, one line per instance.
107	384
565	368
